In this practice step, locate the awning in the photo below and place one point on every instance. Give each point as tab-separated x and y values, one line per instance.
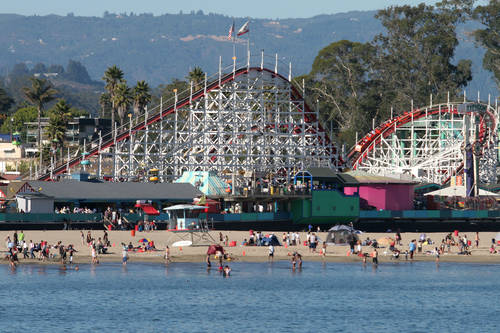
149	209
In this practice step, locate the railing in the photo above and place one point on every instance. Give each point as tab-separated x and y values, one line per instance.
49	217
246	217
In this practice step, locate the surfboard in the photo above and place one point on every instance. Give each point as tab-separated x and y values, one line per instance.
182	243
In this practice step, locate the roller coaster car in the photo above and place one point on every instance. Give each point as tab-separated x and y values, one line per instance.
153	175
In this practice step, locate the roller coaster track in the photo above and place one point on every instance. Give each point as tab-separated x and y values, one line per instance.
109	140
371	141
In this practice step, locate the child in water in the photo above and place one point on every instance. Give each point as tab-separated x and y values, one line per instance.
227	271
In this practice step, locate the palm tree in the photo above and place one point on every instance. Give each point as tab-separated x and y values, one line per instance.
113	76
122	99
40	93
197	76
142	97
105	103
58	122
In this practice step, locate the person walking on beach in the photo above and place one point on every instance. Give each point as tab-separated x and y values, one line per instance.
436	253
89	238
82	237
476	238
398	237
93	253
412	248
25	250
271	252
323	250
62	253
71	251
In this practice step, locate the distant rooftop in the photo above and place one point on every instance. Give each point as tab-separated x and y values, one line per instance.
106	191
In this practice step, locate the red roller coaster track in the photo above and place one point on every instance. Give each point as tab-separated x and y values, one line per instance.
109	141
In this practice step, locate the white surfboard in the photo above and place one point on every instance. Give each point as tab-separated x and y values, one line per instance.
182	243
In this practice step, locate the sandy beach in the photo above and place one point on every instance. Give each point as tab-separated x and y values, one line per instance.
335	253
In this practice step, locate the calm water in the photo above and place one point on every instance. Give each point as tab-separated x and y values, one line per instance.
258	297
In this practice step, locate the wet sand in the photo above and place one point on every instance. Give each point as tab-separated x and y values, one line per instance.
335	253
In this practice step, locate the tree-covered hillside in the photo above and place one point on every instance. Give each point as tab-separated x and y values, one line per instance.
160	48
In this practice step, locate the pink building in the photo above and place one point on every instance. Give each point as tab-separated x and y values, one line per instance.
380	192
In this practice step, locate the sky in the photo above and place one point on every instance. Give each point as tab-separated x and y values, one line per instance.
253	8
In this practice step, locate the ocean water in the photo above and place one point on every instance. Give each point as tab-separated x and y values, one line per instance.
257	297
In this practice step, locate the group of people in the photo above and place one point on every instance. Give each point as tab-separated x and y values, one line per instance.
99	246
76	210
42	250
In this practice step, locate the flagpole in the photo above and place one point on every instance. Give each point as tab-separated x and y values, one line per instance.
248	46
234	40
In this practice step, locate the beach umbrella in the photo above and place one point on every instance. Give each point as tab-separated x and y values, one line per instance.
340	227
144	240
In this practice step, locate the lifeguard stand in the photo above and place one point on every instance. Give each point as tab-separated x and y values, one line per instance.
186	224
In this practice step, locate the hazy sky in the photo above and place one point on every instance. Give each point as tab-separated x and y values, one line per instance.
238	8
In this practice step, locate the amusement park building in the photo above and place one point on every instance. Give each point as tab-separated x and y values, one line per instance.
382	193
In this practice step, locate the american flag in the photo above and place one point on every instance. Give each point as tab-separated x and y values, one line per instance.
231	31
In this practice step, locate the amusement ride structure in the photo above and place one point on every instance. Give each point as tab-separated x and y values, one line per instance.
430	143
251	119
240	121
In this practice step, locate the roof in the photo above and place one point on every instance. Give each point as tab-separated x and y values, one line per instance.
10	176
34	195
16	187
206	182
77	190
185	207
322	172
458	191
364	178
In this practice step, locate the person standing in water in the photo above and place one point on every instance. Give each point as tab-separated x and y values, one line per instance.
296	258
124	254
167	255
375	256
271	252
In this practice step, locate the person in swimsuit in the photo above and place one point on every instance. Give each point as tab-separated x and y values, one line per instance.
296	259
375	256
167	255
124	255
227	271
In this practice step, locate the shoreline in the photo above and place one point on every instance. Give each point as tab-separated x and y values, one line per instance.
112	258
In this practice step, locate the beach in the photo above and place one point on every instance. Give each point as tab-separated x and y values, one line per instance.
162	238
